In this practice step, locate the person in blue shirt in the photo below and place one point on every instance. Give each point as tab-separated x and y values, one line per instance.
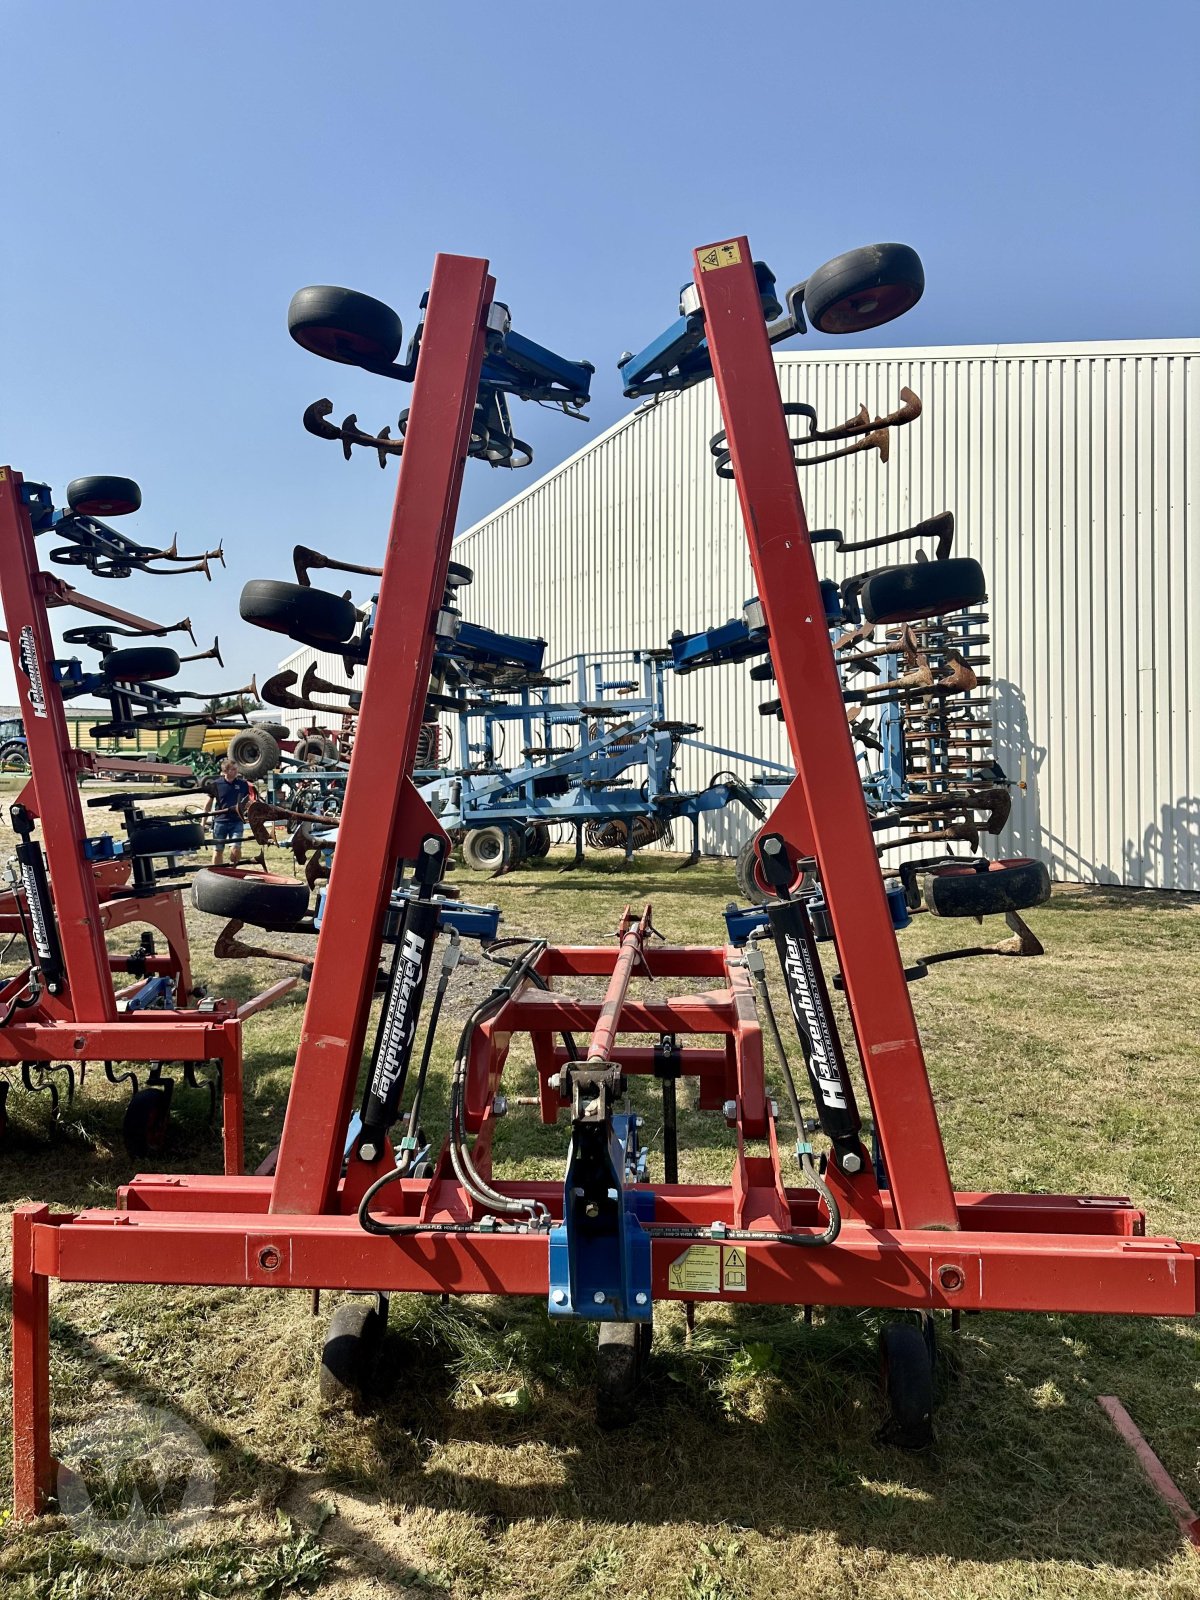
227	797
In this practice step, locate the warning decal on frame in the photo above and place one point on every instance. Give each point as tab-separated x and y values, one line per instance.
696	1271
709	1269
733	1269
721	255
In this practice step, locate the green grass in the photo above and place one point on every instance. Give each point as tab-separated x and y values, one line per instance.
757	1469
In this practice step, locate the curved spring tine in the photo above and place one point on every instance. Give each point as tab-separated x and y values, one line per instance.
879	440
316	421
908	411
277	692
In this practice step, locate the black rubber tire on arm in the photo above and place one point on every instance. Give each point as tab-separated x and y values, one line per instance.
343	325
906	1372
103	497
254	752
923	589
263	899
170	836
279	731
1013	885
350	1353
146	1128
311	616
142	664
864	288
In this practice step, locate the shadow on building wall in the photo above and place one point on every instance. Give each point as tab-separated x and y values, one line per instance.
1168	852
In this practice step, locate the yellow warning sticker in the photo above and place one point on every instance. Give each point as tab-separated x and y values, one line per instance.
697	1270
733	1268
721	255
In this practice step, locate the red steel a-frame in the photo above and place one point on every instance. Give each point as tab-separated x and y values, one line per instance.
915	1244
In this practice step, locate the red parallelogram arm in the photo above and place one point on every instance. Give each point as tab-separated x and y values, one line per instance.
824	808
380	823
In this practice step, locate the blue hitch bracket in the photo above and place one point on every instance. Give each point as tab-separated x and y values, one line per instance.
600	1252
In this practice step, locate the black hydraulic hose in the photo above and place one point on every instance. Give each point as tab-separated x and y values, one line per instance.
471	1180
449	961
758	972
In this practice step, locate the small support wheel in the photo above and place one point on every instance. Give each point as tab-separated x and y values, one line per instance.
351	1351
344	325
147	1125
488	849
906	1372
621	1354
103	497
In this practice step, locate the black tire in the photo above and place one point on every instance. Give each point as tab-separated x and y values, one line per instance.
487	849
621	1353
747	882
343	325
743	871
316	748
864	288
923	589
279	731
103	497
351	1352
173	836
143	664
1013	885
537	841
310	616
263	899
147	1125
906	1373
253	752
14	757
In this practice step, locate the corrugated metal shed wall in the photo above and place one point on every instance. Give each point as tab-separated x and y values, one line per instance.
1072	473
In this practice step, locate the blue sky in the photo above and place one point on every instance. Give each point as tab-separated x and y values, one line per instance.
171	173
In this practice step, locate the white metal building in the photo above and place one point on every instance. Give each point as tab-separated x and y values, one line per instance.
1072	472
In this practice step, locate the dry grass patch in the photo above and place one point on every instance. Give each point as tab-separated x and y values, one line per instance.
756	1470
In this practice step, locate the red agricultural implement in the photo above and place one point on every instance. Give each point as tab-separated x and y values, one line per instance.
77	1001
881	1229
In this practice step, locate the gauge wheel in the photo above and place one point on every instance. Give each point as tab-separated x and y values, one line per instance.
351	1351
864	288
103	497
344	325
906	1374
147	1125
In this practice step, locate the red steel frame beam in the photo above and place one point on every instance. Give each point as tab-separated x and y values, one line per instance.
824	812
383	819
76	901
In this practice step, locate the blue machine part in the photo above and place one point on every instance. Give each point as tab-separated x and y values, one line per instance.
739	639
679	356
470	921
104	848
600	1264
158	991
473	643
742	921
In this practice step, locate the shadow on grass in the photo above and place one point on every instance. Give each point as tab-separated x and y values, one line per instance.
765	1424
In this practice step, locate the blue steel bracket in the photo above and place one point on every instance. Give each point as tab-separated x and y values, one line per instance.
742	921
680	356
600	1252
